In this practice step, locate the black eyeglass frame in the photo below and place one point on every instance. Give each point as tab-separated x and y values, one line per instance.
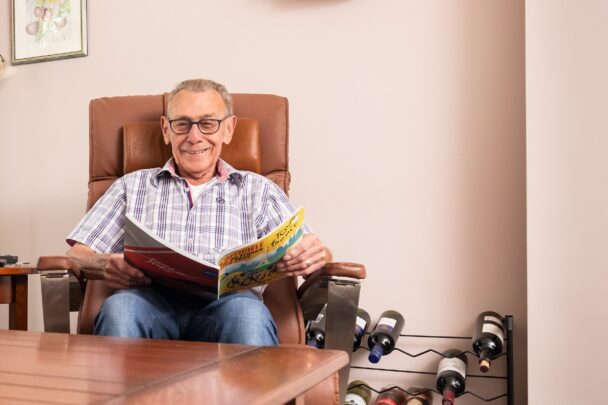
198	124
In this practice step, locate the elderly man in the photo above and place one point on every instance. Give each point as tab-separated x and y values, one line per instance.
191	203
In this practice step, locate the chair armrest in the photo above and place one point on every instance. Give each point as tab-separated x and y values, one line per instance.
345	269
60	263
337	269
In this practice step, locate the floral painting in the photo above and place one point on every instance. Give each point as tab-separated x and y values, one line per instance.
48	29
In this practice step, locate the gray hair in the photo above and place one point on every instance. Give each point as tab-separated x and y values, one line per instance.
201	85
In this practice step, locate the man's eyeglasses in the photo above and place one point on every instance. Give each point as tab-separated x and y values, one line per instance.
207	126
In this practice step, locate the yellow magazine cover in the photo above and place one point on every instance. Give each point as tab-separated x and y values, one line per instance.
253	264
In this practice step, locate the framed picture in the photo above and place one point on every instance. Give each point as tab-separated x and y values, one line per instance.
48	29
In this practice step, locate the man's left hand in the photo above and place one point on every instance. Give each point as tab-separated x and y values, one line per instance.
308	256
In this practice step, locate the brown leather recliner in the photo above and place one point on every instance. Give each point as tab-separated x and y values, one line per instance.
125	136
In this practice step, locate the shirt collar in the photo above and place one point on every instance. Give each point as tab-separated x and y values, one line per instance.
223	170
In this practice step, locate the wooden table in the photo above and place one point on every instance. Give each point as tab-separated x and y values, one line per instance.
13	291
79	369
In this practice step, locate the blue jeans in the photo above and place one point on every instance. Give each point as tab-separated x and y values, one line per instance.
149	313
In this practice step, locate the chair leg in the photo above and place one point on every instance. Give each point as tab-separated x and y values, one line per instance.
55	300
342	303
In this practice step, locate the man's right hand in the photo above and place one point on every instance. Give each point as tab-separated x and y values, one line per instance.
117	273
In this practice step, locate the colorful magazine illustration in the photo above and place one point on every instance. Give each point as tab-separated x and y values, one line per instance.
237	269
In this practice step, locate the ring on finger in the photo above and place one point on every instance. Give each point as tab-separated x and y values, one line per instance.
307	263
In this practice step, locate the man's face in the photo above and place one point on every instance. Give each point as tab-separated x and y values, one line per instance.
196	154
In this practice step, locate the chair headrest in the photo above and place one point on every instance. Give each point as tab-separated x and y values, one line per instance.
144	147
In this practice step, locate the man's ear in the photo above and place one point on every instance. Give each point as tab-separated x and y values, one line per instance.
164	126
230	123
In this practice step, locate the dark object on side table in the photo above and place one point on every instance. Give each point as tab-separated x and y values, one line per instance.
7	259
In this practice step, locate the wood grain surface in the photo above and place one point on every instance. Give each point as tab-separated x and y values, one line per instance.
81	369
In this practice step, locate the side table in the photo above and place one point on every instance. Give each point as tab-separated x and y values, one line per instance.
13	291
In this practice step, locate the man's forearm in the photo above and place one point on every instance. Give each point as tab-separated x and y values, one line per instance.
111	267
91	263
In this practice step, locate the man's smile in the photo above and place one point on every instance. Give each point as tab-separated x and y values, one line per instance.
196	151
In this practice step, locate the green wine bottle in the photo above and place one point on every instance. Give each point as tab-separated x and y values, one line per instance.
451	375
315	335
357	393
361	326
488	338
383	338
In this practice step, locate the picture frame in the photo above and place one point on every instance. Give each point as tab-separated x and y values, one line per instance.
44	30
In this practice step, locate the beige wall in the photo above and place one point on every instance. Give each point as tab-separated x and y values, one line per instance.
566	65
407	148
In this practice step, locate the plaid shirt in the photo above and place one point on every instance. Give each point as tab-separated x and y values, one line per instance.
227	214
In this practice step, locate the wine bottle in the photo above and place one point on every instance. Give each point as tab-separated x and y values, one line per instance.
357	393
315	335
391	395
419	396
383	338
361	326
488	338
451	374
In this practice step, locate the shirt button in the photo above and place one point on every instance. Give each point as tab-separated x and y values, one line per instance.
187	189
190	240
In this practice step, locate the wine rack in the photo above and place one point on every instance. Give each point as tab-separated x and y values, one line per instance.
508	353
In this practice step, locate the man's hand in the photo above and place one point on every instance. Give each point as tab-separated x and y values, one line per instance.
119	274
112	268
308	256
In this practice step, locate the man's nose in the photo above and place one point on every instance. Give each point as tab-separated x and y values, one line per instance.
195	134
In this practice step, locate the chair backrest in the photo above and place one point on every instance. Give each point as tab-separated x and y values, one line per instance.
267	121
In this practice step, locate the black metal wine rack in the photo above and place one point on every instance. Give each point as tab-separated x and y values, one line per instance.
508	353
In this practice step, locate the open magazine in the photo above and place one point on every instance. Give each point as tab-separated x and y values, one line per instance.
237	269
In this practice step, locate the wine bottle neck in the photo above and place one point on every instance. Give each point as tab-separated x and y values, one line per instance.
484	353
385	401
448	396
376	353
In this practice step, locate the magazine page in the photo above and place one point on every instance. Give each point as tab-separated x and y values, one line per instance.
253	264
163	263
